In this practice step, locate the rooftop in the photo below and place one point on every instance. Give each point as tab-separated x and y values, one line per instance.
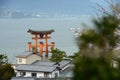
43	63
49	63
26	54
29	67
40	32
42	66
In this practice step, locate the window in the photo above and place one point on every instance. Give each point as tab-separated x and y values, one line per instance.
20	59
46	75
33	74
56	75
22	73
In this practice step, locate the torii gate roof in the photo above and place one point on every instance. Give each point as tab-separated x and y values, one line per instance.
40	32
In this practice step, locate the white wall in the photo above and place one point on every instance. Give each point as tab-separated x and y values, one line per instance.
53	73
23	60
18	73
28	74
40	75
28	60
32	58
50	75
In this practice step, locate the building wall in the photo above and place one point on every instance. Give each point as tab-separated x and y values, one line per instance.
21	60
32	58
53	74
18	73
50	75
28	74
28	60
38	74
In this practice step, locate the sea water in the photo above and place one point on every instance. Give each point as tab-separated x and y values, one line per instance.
14	36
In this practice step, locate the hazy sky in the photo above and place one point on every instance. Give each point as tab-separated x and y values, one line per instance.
55	6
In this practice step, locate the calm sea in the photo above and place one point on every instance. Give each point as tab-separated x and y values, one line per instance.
14	36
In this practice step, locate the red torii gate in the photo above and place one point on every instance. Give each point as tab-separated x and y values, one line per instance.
40	35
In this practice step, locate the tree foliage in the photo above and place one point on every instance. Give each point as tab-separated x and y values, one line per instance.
100	40
57	55
3	59
6	71
96	48
94	69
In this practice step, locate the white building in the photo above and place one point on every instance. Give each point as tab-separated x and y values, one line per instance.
27	58
42	69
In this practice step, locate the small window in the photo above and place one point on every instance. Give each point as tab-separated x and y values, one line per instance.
22	73
46	75
20	59
33	74
56	75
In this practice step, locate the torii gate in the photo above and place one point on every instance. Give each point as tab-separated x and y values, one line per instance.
40	35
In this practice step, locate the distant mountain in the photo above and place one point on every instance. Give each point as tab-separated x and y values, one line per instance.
6	13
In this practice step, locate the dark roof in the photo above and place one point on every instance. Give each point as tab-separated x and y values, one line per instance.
26	54
63	63
67	72
29	67
40	32
43	63
42	66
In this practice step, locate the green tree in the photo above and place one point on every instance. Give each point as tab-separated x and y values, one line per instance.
6	71
57	55
96	48
3	59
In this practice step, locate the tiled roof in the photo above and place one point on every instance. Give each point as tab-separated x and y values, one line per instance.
64	63
26	54
40	32
43	63
67	72
48	63
42	66
28	67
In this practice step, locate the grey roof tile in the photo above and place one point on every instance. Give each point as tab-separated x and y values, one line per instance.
27	67
42	66
43	63
26	54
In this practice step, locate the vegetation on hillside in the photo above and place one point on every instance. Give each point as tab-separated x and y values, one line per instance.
6	71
